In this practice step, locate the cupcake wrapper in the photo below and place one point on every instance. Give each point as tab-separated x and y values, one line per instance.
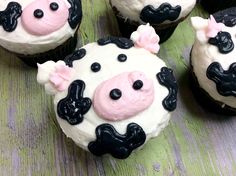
59	53
205	100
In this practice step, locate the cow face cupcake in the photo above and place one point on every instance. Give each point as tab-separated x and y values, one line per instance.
39	29
213	61
215	5
163	15
113	95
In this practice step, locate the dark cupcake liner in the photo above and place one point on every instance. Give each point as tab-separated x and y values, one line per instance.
213	6
206	101
59	53
126	28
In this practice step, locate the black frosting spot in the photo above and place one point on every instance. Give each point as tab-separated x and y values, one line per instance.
8	17
138	85
74	106
118	145
95	67
225	79
76	55
115	94
54	6
122	57
223	41
75	13
167	79
122	43
228	17
38	13
157	16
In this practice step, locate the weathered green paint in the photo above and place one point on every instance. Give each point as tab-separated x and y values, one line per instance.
196	142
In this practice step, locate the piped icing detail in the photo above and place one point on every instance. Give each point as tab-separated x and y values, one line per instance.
76	55
167	79
225	80
116	99
55	77
75	13
209	31
122	58
223	42
74	106
54	6
38	13
120	42
146	37
213	27
9	17
120	146
61	76
228	17
46	20
95	67
157	16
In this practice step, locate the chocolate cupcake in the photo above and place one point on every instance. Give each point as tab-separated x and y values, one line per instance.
163	15
215	5
36	30
113	95
213	61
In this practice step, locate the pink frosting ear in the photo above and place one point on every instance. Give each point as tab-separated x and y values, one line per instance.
43	17
61	76
146	37
213	27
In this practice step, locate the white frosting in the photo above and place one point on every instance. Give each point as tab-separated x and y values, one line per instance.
152	120
203	54
20	41
146	37
131	9
45	72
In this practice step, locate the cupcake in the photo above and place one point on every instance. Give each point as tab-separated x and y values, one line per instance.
215	5
163	15
113	95
213	61
36	30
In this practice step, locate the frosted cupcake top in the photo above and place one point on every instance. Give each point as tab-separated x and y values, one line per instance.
113	95
35	26
154	11
213	55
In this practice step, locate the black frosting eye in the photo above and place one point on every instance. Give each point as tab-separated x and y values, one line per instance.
115	94
95	67
138	85
38	13
54	6
122	58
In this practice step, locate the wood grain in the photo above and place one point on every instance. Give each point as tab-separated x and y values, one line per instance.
195	143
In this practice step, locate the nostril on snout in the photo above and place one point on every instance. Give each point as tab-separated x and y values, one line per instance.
115	94
38	13
138	85
54	6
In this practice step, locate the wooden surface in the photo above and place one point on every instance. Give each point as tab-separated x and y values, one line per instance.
196	142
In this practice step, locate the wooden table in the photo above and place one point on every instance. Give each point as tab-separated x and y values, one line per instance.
196	142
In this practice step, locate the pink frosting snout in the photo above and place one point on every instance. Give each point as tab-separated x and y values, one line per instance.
43	17
123	96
